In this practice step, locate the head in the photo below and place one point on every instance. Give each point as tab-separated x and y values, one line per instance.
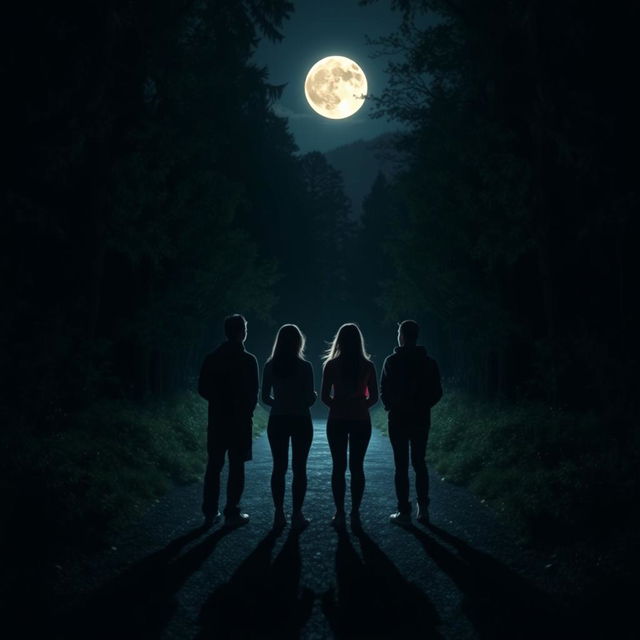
289	343
408	331
235	328
347	342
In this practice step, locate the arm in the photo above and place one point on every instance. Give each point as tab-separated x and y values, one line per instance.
250	384
327	383
384	385
373	387
267	384
389	384
310	393
254	381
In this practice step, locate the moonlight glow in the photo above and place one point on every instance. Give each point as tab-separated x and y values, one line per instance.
335	87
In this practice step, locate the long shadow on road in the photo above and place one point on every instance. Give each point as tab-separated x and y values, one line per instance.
262	599
141	601
497	601
372	599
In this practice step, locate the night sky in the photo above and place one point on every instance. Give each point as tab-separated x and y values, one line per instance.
315	30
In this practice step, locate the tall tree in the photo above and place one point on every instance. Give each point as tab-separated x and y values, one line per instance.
518	188
129	129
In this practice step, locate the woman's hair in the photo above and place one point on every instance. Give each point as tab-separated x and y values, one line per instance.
287	348
348	347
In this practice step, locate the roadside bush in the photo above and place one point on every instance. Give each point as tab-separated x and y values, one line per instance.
555	475
107	465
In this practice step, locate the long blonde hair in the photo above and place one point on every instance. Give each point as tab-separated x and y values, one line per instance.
348	348
287	348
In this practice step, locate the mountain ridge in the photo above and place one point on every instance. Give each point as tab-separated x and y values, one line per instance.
359	163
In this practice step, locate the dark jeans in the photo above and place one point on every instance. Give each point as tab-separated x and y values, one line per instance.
409	434
281	429
354	435
235	482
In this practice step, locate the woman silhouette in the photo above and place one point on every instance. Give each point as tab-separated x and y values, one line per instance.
290	377
349	389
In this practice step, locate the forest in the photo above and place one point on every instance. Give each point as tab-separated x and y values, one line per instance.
147	195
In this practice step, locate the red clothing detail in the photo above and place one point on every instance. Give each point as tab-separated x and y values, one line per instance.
345	402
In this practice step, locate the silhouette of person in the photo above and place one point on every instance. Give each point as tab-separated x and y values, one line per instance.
409	386
287	387
229	381
349	389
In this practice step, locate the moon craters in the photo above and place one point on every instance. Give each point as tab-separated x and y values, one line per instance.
335	87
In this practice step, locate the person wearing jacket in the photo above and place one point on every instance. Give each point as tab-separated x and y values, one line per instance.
409	387
229	381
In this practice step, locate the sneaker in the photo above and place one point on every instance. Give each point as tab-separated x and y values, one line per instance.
338	520
400	518
298	521
210	520
236	520
279	520
423	515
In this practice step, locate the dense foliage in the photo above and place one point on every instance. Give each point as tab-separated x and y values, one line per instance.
151	191
121	238
518	252
510	234
553	475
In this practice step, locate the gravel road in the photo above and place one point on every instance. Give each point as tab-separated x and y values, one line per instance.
465	576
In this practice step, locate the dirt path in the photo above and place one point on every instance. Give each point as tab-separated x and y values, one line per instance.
463	577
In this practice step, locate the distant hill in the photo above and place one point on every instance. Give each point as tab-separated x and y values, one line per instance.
359	163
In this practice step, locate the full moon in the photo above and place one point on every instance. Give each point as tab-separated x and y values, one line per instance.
335	87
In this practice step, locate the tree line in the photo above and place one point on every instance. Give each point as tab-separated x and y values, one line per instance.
151	190
514	229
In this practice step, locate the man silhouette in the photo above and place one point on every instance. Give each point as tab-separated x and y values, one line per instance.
409	387
229	381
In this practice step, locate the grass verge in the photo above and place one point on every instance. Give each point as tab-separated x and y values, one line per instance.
108	464
557	476
62	493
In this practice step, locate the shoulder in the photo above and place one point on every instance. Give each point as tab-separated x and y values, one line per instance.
216	353
250	358
390	359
